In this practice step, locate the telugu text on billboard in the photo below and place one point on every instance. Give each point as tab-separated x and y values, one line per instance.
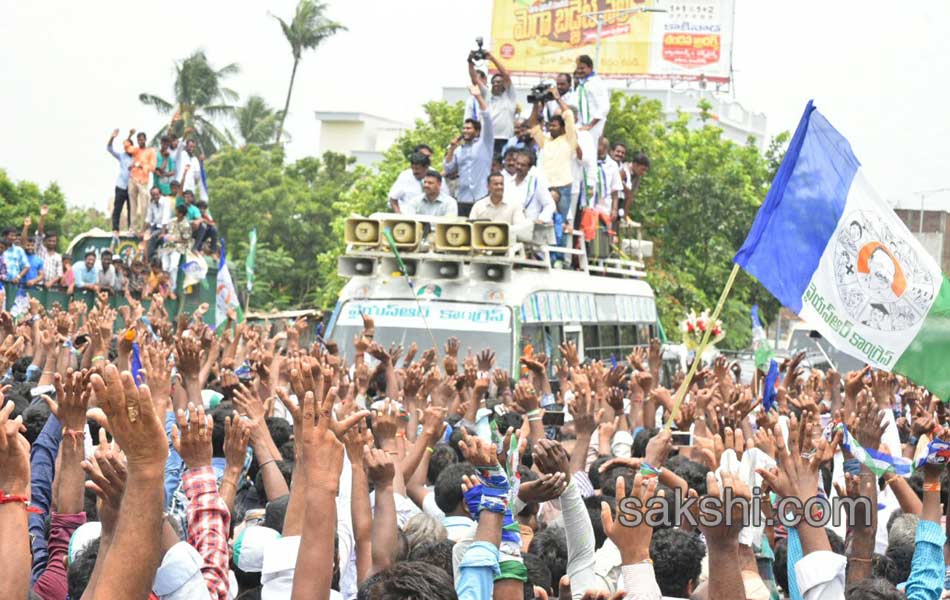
691	40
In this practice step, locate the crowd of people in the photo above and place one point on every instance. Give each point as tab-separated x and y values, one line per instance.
554	172
165	461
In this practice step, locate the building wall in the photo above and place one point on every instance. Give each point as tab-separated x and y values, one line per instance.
342	137
932	235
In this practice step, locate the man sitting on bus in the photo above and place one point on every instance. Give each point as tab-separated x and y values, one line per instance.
493	206
433	202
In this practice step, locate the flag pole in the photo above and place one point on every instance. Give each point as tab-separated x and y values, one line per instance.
681	392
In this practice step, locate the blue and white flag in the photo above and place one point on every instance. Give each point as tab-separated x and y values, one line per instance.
768	388
21	304
834	252
225	296
136	364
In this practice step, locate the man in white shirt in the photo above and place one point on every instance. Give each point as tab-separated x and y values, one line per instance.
432	202
493	206
528	191
593	98
584	171
606	184
408	184
563	85
503	104
188	168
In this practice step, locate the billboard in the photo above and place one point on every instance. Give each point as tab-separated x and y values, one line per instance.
692	39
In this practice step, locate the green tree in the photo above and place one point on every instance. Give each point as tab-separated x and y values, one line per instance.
307	30
200	97
370	192
256	122
21	199
696	204
292	207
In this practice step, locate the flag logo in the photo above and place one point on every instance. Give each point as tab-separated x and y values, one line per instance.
878	277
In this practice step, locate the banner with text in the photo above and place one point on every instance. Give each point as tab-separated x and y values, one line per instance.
691	40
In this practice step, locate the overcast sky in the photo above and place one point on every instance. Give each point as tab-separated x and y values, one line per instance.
72	71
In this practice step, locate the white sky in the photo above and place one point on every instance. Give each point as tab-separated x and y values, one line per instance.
72	71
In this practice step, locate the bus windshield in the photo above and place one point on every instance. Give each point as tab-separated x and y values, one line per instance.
403	322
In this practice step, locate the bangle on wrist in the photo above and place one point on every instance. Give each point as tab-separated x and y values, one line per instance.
932	486
533	413
265	463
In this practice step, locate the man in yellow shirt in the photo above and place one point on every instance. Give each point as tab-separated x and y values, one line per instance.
144	161
557	151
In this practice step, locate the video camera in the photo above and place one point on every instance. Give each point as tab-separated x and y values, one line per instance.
541	93
480	53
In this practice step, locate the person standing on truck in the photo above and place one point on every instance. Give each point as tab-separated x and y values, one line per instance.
470	155
408	184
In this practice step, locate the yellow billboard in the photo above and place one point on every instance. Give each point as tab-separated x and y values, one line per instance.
679	39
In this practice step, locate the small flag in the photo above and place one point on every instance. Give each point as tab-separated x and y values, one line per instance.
760	343
226	295
137	364
195	268
832	250
251	257
21	304
203	191
879	462
660	332
768	391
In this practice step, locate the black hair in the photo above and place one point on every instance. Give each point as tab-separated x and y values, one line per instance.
568	75
488	180
181	209
585	60
882	566
288	451
692	472
835	541
557	119
435	553
902	554
474	123
286	469
448	486
641	159
89	505
538	573
442	456
79	571
34	418
104	252
414	579
217	431
189	192
593	472
639	447
615	144
367	589
550	545
418	158
677	560
593	512
780	564
434	174
280	430
873	588
8	230
275	512
421	147
89	253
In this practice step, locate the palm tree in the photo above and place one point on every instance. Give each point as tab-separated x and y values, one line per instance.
199	97
256	122
308	29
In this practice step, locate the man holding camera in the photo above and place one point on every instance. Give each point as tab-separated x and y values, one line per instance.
593	98
553	107
557	151
503	103
470	156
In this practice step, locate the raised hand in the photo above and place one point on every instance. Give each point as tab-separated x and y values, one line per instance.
379	466
191	435
73	394
486	361
132	418
629	531
452	346
550	457
477	451
568	351
237	436
14	453
526	397
546	487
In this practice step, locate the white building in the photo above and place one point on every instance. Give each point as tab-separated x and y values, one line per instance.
361	135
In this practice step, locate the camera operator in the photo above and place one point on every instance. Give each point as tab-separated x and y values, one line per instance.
470	156
553	107
593	98
502	101
557	150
